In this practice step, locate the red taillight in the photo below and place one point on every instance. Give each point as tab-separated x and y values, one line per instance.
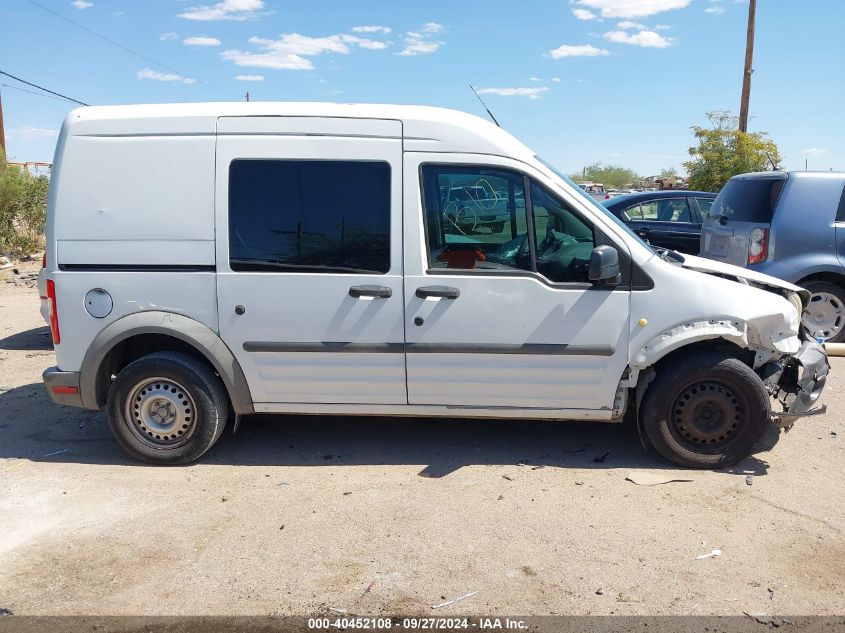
607	196
758	247
54	315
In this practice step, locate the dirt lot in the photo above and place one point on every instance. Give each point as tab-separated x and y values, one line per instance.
296	515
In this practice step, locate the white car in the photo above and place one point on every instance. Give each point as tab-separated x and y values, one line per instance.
237	258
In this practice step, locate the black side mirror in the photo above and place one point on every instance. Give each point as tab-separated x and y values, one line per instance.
604	265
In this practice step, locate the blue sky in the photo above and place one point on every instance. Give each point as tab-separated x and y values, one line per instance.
579	81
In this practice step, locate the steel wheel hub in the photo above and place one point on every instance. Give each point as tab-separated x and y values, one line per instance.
160	412
825	316
706	414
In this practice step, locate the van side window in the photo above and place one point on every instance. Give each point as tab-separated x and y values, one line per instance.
475	218
309	216
564	241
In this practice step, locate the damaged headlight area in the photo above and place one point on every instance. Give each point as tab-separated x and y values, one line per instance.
796	382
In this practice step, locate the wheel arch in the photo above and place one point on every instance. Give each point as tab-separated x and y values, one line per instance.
646	375
145	332
830	276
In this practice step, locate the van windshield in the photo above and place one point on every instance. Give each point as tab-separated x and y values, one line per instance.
748	199
592	201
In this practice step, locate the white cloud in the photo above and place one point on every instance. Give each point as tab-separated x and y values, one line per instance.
814	151
420	42
292	50
584	14
534	79
30	133
372	29
578	50
556	79
237	10
147	73
168	36
632	8
249	77
627	24
715	10
201	41
432	27
531	93
81	4
646	39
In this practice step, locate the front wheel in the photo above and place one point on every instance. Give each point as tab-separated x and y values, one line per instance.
705	411
167	408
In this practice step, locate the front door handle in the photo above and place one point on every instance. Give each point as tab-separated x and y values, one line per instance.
379	292
443	292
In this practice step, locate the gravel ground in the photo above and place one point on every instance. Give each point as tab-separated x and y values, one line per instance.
298	515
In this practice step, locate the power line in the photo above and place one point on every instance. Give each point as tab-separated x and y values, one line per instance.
58	94
32	92
124	48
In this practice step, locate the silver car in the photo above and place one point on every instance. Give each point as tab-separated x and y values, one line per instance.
789	225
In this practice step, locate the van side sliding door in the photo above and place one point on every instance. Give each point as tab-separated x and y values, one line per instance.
309	257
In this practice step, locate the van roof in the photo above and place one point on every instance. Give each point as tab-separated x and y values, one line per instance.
424	128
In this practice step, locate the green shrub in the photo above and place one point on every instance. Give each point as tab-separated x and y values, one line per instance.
23	209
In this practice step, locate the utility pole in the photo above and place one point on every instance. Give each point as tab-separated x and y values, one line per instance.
746	74
247	96
2	131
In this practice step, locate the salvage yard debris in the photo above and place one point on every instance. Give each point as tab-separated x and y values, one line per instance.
643	478
713	554
454	600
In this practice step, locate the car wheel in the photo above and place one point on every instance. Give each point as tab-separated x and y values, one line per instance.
705	411
825	316
167	408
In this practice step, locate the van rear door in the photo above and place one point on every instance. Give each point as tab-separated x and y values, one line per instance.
737	229
309	257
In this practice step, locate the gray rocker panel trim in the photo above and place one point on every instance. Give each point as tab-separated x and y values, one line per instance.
199	336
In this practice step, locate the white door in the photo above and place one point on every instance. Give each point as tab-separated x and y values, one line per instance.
309	243
499	312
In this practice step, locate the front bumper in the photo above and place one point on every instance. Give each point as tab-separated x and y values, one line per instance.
797	383
63	386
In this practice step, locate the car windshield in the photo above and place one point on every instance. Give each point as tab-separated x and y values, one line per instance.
595	204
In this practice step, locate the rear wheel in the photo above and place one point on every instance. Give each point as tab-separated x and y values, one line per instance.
705	411
825	316
167	408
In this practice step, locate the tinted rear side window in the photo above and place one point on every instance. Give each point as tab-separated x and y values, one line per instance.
309	216
748	200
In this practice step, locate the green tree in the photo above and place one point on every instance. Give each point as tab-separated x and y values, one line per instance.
608	175
23	209
723	151
670	172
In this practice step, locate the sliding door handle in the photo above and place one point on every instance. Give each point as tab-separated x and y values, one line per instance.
380	292
443	292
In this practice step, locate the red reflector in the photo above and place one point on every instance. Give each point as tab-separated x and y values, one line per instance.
65	389
44	261
54	315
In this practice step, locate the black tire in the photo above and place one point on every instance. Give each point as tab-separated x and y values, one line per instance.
816	287
167	408
705	410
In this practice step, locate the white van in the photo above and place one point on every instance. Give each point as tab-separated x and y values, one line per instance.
207	261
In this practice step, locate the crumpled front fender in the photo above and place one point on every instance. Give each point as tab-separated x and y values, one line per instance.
769	333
